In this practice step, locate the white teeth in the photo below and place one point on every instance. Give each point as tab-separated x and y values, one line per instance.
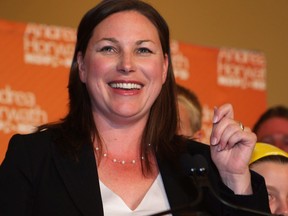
125	85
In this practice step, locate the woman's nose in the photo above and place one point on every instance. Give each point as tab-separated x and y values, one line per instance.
126	63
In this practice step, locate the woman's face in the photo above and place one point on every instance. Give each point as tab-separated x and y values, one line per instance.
276	178
124	67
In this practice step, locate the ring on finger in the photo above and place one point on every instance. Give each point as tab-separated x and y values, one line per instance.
241	125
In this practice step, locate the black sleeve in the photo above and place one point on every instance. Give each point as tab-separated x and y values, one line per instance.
15	180
242	204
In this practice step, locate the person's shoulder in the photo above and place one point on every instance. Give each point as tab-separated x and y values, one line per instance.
29	154
34	135
34	145
31	140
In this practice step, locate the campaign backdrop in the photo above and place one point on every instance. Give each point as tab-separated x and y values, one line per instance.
35	61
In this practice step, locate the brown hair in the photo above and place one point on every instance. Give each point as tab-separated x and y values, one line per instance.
276	111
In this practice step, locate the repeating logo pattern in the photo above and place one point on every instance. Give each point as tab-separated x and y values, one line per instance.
241	69
19	111
48	45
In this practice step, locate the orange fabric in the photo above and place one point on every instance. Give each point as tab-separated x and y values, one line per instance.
33	78
223	75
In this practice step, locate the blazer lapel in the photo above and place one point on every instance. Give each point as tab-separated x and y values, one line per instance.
81	179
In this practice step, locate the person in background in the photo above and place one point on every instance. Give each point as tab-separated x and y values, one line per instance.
117	151
272	127
190	113
272	163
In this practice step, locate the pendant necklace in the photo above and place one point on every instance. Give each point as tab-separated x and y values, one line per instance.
115	160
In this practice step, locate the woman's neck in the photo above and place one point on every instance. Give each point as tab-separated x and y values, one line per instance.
121	136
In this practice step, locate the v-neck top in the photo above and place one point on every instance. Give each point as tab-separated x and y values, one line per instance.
154	201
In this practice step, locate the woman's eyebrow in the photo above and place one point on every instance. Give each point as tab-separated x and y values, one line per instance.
113	40
144	41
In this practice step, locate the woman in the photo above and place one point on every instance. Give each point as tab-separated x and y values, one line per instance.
272	163
116	152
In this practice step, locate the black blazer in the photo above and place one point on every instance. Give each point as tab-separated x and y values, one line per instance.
37	179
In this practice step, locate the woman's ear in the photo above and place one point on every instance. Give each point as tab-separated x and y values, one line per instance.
165	68
81	67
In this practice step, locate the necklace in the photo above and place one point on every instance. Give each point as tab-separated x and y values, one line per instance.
123	162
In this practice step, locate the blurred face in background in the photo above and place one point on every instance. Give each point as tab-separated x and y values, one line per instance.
276	179
186	124
274	131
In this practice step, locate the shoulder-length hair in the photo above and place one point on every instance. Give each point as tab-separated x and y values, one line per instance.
79	127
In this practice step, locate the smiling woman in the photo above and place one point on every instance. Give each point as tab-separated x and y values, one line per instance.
117	151
118	55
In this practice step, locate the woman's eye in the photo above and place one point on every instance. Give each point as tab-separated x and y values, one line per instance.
144	50
285	139
107	49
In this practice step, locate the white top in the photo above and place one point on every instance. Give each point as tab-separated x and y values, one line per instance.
154	201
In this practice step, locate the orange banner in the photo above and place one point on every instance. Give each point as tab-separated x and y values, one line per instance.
35	61
223	75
